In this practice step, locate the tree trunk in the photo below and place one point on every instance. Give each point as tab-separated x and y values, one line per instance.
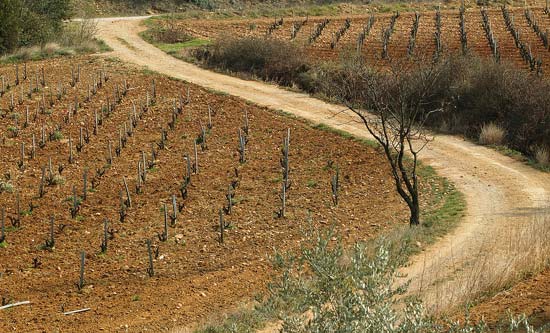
415	212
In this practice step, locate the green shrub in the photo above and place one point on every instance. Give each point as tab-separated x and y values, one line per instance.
203	4
504	94
10	25
268	59
6	186
470	92
30	22
328	288
57	136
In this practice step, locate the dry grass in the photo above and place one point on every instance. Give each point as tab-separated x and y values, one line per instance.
515	251
26	53
542	156
77	37
491	134
50	49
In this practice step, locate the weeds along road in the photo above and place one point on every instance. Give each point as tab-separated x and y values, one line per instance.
508	202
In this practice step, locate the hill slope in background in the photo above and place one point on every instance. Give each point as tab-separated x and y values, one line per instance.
83	8
269	8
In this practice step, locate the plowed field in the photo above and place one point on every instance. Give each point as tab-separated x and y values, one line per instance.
194	274
320	48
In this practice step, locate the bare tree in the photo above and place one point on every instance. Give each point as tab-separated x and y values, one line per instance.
394	107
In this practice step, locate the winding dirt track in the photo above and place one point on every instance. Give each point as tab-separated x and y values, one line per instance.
503	196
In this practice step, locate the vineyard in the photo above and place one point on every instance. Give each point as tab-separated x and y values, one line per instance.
519	35
141	199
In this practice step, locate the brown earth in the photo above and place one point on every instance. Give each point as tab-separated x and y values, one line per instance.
425	45
198	277
530	297
502	194
195	275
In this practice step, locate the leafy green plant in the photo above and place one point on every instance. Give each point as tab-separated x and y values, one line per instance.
14	131
6	186
311	183
329	288
57	136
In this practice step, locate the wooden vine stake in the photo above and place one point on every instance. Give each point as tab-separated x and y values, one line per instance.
33	147
80	144
196	169
71	157
3	226
85	185
335	185
242	147
282	212
174	215
110	154
150	269
123	209
21	163
139	179
128	201
144	166
76	204
50	242
105	236
222	226
81	281
286	172
163	237
16	220
42	183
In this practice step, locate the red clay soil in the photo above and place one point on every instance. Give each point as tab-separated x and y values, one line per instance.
397	48
530	297
195	276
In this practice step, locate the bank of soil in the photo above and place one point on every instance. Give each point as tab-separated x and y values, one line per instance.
195	276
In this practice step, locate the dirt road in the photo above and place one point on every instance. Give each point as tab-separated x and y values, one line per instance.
504	197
